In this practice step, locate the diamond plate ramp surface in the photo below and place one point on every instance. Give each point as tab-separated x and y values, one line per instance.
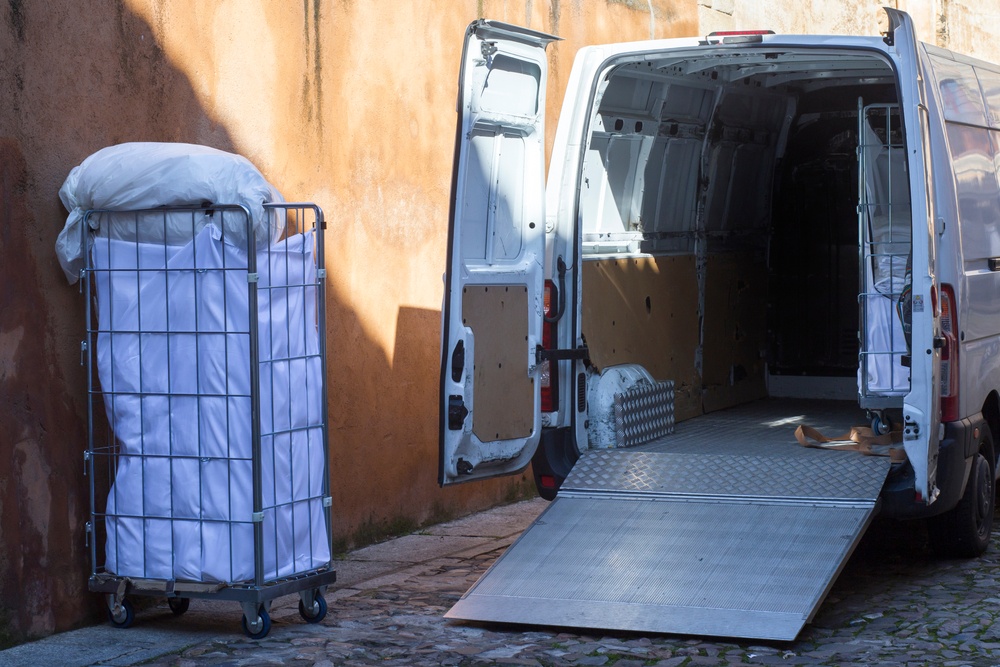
797	472
632	549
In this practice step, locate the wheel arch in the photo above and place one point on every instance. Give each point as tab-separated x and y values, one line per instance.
991	415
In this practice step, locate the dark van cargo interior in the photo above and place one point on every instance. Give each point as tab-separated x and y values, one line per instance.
729	244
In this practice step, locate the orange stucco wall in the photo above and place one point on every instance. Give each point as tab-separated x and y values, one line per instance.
348	104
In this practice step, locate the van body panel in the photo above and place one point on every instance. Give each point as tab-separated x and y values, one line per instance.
965	93
492	314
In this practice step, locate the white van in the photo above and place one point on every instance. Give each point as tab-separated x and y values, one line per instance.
740	234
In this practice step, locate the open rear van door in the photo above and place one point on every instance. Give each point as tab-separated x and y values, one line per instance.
490	419
921	406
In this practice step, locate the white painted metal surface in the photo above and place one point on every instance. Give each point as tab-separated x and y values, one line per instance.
495	235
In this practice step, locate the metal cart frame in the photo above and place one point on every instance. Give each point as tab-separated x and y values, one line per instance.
892	249
104	448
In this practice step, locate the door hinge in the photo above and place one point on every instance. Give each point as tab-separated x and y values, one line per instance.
457	412
458	361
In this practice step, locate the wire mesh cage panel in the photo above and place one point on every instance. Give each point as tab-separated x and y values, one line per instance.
207	452
885	246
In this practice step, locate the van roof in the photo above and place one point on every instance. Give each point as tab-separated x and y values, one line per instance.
765	41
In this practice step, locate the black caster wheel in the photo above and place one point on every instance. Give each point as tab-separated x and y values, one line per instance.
258	628
318	611
881	425
178	605
124	617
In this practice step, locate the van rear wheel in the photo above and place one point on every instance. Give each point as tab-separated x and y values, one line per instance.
964	532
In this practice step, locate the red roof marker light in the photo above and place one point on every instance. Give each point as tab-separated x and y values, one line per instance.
730	33
737	36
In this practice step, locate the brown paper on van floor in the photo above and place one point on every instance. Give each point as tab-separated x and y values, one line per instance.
859	438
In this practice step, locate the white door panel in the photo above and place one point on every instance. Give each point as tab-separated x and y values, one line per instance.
921	407
490	419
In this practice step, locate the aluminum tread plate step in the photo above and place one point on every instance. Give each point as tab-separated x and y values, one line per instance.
653	559
799	473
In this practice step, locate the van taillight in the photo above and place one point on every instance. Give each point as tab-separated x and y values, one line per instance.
549	378
949	355
548	481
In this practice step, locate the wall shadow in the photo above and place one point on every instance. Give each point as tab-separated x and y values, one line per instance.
75	77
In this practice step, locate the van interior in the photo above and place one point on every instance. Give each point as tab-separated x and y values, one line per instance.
746	228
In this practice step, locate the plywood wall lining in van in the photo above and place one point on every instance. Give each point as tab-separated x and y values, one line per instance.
735	329
644	310
504	393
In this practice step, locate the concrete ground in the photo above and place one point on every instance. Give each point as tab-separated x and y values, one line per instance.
894	604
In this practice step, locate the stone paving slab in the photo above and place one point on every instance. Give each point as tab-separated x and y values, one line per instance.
417	548
894	604
351	572
511	521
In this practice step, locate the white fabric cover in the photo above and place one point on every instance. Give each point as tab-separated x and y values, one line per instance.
181	502
149	175
888	242
886	343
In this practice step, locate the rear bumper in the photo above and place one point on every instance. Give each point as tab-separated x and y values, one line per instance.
553	460
954	456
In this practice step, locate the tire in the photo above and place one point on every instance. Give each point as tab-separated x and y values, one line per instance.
178	605
125	617
964	532
317	613
264	621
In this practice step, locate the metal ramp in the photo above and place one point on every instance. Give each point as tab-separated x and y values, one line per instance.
720	545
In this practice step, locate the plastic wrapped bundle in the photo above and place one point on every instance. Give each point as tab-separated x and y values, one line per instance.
148	175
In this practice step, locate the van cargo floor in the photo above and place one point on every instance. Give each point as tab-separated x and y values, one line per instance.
765	426
708	531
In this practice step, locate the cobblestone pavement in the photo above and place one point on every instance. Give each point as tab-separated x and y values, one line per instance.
894	604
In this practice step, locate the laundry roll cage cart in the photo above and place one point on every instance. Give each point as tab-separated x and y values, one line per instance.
209	476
